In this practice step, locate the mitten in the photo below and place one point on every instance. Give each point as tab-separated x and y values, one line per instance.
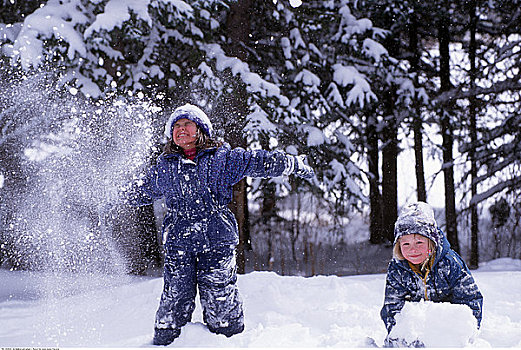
402	343
298	165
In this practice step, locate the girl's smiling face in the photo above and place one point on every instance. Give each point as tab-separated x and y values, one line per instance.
184	133
415	248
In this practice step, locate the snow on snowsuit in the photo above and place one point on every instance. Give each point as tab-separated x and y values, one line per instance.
449	280
201	232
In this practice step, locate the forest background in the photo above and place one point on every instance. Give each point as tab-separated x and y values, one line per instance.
88	84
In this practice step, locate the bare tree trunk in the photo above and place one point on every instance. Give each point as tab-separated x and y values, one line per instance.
375	215
474	223
271	253
305	253
389	138
417	119
240	210
238	28
267	212
313	259
295	229
16	181
282	261
419	167
135	232
149	242
448	139
389	172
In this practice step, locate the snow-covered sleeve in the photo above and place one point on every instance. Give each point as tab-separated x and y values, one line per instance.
240	163
464	288
144	190
395	293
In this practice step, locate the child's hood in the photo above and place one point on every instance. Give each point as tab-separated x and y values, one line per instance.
192	113
418	218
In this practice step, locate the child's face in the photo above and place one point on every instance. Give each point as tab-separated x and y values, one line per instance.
184	133
415	248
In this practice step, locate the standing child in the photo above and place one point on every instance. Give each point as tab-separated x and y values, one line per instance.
424	267
195	175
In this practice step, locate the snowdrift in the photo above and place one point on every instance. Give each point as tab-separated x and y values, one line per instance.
45	310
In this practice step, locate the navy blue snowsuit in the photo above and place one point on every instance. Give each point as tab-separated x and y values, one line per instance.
201	232
448	281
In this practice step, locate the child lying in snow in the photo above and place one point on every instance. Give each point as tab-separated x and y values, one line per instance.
424	267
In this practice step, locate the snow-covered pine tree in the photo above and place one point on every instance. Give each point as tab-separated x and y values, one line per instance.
403	21
176	48
336	73
414	28
493	144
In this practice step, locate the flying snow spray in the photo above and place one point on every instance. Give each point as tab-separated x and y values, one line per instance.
77	154
64	161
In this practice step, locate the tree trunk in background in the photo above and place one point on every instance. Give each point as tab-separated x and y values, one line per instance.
389	138
417	123
233	108
421	191
376	235
473	108
448	139
268	211
15	181
238	28
149	242
240	209
389	173
135	232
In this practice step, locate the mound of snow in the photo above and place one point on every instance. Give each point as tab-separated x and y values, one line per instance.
502	264
435	324
47	310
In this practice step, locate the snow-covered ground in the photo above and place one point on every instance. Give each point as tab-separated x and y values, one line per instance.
42	309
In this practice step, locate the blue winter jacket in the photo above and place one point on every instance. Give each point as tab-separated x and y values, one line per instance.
197	193
448	281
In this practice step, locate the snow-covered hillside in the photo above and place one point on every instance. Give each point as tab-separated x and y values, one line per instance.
39	309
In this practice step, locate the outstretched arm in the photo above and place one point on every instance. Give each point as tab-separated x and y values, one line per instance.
265	164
